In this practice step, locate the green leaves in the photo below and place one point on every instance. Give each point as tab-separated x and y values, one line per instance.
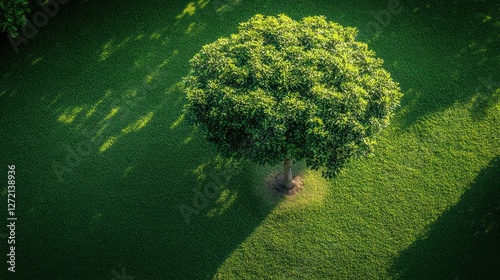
12	15
278	86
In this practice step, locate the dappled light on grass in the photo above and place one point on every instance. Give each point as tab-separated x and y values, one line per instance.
195	28
170	58
109	117
35	61
94	107
189	10
193	134
178	121
122	67
110	47
223	203
228	6
215	183
128	170
111	114
106	50
52	102
133	127
108	143
155	36
139	124
69	115
100	132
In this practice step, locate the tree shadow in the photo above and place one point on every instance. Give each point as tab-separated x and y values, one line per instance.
94	129
458	58
464	243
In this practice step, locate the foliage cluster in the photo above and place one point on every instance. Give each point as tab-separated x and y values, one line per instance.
281	89
13	15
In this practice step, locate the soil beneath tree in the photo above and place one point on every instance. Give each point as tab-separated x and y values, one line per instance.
276	185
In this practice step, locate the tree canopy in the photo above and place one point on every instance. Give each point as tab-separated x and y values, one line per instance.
279	89
12	15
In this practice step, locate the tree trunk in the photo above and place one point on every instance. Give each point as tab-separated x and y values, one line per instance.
287	173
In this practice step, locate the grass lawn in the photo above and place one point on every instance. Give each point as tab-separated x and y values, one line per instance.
106	168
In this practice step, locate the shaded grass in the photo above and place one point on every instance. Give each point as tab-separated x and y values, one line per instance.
111	70
465	241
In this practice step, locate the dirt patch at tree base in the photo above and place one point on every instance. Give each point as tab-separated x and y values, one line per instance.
276	187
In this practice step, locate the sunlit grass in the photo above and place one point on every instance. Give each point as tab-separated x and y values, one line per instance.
108	143
188	11
140	123
69	115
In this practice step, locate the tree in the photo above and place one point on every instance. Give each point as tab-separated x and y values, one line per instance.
12	15
282	90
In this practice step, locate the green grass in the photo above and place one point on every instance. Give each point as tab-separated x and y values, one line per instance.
105	77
